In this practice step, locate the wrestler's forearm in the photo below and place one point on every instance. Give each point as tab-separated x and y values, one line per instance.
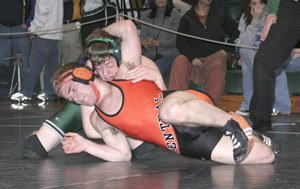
130	45
106	152
159	79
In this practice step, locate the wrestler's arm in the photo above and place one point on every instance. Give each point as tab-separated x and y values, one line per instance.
147	71
130	45
131	55
89	130
116	147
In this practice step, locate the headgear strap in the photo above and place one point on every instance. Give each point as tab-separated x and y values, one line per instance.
82	75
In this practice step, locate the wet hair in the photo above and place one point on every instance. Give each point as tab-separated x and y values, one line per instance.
248	15
168	9
96	50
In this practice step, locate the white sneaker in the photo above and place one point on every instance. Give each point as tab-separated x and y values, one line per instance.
42	97
19	97
276	112
243	112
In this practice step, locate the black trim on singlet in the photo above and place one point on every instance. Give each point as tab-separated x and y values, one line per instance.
113	115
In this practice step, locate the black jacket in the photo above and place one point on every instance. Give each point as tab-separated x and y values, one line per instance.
218	24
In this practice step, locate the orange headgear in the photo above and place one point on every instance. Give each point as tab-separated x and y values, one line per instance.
82	75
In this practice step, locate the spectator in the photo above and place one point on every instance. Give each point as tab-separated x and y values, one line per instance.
14	17
159	44
202	62
47	25
70	44
92	10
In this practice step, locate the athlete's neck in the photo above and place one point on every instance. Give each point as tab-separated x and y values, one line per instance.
110	99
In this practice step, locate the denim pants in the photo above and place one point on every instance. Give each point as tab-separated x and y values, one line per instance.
44	52
11	45
282	99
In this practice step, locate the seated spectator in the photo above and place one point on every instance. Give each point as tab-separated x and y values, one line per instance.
202	62
159	44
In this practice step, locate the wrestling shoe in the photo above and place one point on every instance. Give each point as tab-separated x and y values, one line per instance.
19	97
268	141
32	148
240	134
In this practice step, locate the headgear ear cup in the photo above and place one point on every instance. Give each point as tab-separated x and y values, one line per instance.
82	75
115	47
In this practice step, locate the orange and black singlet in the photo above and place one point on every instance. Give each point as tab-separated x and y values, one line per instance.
138	116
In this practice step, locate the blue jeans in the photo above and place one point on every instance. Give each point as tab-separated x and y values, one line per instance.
293	65
282	98
19	44
43	52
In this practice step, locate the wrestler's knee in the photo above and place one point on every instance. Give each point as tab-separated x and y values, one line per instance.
268	156
263	154
172	113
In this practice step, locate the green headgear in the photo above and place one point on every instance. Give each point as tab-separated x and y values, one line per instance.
115	49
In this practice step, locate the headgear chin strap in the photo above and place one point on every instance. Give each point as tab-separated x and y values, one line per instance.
115	49
82	75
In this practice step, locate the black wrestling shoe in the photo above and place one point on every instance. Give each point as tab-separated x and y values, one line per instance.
32	148
240	134
269	142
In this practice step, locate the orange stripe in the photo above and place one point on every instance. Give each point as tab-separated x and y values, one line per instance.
202	96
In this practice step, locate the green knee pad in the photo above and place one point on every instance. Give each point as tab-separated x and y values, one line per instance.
67	119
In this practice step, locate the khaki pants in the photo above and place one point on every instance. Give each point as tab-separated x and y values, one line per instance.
212	73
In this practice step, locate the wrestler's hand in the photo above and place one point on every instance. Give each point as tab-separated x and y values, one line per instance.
269	21
142	72
73	143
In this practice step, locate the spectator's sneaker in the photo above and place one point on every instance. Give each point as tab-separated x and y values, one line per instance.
240	134
19	105
45	98
276	112
242	112
268	141
19	97
42	97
